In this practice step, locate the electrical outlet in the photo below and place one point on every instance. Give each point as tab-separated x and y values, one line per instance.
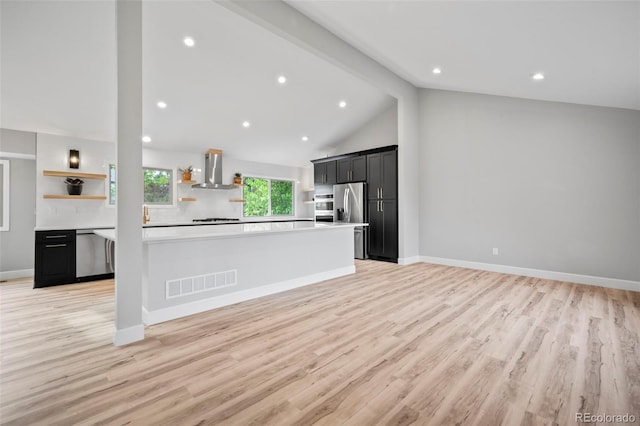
495	251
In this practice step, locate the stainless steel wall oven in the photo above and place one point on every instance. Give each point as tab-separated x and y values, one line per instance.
324	207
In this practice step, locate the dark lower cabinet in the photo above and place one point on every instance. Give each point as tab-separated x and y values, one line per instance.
383	230
55	258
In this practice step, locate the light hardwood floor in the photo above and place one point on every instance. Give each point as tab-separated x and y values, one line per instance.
419	344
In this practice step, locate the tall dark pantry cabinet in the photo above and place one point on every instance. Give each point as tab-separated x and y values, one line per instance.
382	180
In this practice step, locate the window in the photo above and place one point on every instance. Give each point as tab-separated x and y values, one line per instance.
157	186
112	184
4	196
267	197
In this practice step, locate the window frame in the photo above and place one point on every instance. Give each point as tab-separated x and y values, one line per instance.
172	189
109	183
269	211
6	196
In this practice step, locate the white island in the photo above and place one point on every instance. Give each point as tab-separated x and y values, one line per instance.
191	269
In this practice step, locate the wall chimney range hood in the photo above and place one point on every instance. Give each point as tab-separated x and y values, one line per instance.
213	171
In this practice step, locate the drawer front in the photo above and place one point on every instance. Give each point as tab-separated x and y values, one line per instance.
55	236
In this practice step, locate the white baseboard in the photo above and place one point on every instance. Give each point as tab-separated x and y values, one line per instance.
128	335
178	311
538	273
20	273
408	260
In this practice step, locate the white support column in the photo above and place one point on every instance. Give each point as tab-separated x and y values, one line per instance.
128	299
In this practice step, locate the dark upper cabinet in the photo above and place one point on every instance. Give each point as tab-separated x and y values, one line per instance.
383	230
324	173
382	175
352	169
55	258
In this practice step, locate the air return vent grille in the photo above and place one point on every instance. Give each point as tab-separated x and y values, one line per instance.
200	283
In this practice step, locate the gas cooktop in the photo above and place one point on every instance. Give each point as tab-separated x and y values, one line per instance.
216	219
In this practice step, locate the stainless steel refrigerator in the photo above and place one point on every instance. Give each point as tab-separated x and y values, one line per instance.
349	205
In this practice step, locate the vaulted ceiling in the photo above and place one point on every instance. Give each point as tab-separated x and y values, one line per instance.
58	76
588	51
58	67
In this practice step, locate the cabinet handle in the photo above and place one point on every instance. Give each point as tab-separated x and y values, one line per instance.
381	188
55	245
54	236
381	206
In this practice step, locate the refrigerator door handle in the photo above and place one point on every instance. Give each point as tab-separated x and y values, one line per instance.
346	205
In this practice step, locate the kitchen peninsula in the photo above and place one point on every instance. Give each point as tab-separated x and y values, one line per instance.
192	269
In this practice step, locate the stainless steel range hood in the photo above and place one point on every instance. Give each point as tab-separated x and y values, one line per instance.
213	171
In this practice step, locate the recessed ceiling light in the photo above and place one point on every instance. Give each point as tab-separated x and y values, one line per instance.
146	139
342	104
538	76
305	138
246	124
189	42
282	79
437	71
162	104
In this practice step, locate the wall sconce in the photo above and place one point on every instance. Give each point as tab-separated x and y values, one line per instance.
74	159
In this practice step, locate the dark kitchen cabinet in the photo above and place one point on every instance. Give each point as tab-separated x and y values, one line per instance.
55	258
383	230
324	173
382	175
382	181
352	169
378	167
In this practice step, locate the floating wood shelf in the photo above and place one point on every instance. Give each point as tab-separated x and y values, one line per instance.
184	199
75	197
308	190
236	200
74	174
187	182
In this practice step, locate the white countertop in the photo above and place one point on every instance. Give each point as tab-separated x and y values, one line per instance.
228	230
173	223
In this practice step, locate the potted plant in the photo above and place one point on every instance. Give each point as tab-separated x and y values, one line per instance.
186	173
74	185
237	178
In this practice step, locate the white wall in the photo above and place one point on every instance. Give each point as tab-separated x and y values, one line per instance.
17	244
553	186
381	130
95	157
215	203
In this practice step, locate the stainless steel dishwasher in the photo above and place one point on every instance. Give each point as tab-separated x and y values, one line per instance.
94	256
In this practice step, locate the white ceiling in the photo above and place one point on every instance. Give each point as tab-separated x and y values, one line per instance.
58	76
589	51
58	66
